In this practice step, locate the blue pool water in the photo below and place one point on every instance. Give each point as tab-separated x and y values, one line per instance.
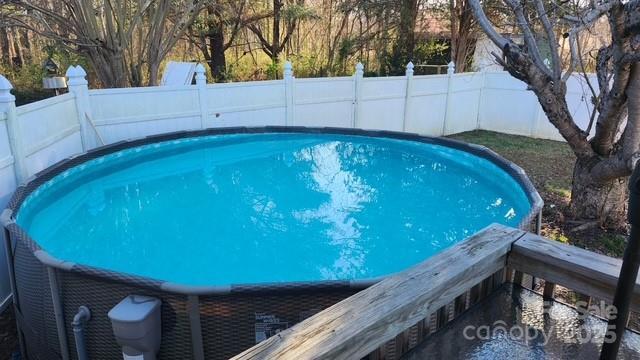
254	208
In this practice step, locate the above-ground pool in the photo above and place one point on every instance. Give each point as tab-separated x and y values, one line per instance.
258	228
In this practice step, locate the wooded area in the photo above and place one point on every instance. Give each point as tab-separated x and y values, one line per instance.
125	42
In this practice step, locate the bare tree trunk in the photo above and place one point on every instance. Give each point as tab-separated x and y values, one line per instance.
110	68
5	44
275	41
17	48
603	201
218	61
461	30
27	51
405	44
607	200
154	74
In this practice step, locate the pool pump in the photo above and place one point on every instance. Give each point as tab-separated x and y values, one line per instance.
136	326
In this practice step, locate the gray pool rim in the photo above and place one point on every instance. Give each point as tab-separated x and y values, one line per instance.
7	218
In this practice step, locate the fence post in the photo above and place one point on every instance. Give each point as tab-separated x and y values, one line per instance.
201	83
407	95
78	86
535	124
451	69
8	106
481	100
288	93
357	86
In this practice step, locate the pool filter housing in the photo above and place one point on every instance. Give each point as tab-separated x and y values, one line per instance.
136	326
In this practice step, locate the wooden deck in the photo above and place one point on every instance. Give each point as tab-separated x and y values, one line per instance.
428	295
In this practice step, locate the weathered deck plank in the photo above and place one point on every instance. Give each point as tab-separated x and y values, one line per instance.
577	269
358	325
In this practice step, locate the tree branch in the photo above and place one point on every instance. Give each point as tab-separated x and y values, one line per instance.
486	25
551	38
529	38
613	96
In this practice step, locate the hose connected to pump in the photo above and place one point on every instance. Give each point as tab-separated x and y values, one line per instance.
628	272
79	320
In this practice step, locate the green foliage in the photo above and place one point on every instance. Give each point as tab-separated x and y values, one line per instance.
27	79
432	51
27	83
560	191
557	235
348	47
614	244
307	66
273	70
298	12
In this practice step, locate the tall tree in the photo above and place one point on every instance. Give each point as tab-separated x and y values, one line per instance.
606	160
405	41
285	16
168	22
217	30
5	46
119	38
462	32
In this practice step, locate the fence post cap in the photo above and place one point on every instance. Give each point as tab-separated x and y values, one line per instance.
288	68
5	84
409	70
201	78
5	90
76	75
76	71
451	67
359	67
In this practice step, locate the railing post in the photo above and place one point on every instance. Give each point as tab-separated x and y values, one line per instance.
451	69
78	86
8	106
288	93
357	87
619	317
201	83
407	95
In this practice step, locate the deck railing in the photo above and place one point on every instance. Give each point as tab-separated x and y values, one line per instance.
583	277
403	309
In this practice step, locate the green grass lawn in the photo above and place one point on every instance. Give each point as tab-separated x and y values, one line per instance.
548	163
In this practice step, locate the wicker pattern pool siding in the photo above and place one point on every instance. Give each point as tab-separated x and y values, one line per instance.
197	321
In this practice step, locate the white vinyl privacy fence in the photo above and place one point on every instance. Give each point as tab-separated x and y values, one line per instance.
37	135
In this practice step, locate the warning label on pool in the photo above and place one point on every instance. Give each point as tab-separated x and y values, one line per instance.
268	325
